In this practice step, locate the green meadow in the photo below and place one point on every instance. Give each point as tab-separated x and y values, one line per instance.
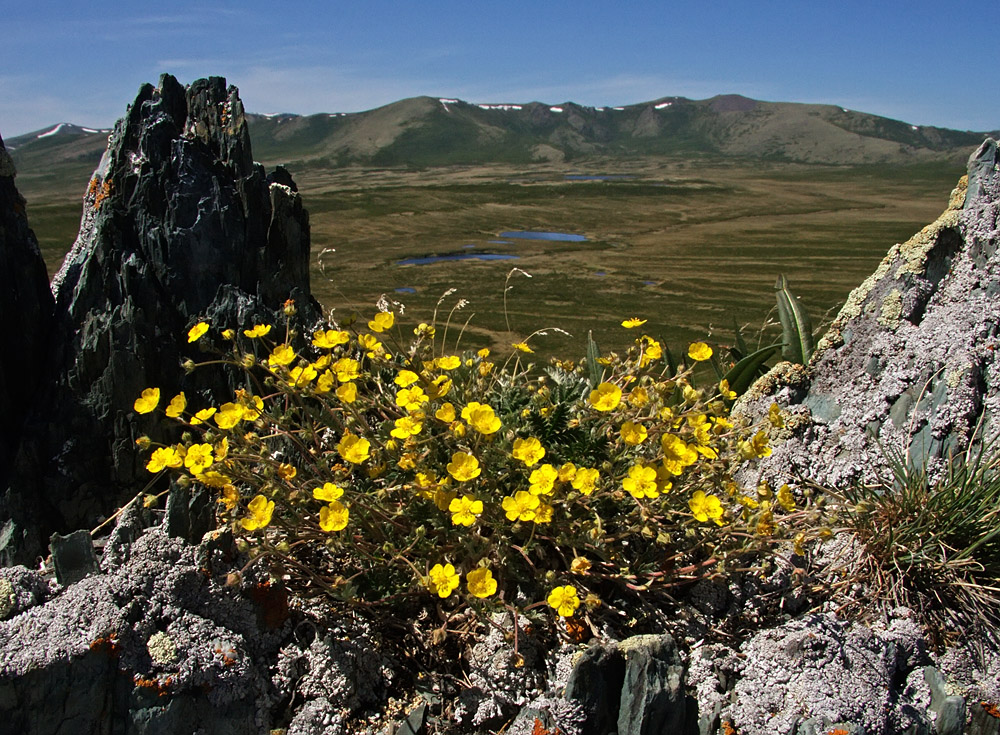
691	244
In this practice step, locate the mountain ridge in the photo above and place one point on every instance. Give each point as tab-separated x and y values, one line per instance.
430	131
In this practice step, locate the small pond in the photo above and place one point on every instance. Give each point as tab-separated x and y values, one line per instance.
428	259
553	236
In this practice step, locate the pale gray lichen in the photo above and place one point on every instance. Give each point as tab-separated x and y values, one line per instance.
161	648
6	597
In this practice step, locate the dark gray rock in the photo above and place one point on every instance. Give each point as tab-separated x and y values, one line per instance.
653	698
179	225
596	684
26	306
949	709
73	556
20	588
910	364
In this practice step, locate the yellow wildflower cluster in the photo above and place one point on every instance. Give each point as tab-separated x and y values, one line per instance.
374	467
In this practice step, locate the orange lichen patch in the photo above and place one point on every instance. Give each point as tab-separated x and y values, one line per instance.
540	729
727	728
162	688
838	731
991	709
577	631
106	644
99	190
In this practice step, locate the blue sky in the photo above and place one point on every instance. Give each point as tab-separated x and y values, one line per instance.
927	63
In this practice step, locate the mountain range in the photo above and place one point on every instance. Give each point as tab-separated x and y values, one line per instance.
428	131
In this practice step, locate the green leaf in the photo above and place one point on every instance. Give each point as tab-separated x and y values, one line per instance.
743	373
741	349
796	329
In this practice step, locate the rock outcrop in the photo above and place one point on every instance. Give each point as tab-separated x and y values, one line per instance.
910	365
26	305
179	225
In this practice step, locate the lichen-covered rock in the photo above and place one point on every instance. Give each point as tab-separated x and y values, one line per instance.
910	363
26	306
179	225
20	589
822	669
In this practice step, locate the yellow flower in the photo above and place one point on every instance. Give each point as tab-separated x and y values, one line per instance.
353	449
633	323
147	401
775	417
259	330
633	433
228	497
325	383
407	426
677	454
755	447
203	415
199	457
195	333
348	392
481	418
229	414
346	369
464	467
260	513
521	506
567	472
449	362
446	413
287	472
221	449
328	493
529	450
651	350
442	580
564	600
382	321
281	355
544	513
606	397
484	353
543	479
176	406
580	565
406	378
785	498
439	387
228	334
368	342
424	330
523	347
333	517
211	478
691	395
639	397
330	338
663	483
725	391
699	351
585	480
705	507
641	482
480	582
164	457
301	376
464	510
411	399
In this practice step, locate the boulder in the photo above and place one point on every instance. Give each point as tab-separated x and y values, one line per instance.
179	225
909	367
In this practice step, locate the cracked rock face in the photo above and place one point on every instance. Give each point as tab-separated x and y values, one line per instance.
179	225
910	364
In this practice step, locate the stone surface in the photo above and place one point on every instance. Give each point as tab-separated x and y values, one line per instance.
26	306
73	556
179	225
910	363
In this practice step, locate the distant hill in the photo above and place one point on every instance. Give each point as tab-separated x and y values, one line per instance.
427	131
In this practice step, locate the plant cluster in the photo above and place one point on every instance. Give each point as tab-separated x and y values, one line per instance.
370	464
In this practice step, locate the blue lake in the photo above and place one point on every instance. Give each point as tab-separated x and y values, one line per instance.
554	236
406	289
428	259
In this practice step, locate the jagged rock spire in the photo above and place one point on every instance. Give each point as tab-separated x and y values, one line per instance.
179	224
